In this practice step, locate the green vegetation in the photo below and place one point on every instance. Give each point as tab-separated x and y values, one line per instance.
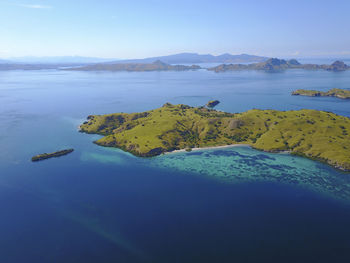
44	156
314	134
339	93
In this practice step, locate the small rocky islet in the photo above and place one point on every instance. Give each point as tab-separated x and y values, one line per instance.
212	103
318	135
45	156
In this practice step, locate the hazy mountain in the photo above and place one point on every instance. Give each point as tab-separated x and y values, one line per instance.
182	58
189	58
59	60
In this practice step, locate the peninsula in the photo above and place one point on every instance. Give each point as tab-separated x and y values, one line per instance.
314	134
338	93
155	66
45	156
275	64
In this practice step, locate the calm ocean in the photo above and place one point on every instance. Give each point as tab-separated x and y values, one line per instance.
104	205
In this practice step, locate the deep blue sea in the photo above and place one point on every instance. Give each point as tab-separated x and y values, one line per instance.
104	205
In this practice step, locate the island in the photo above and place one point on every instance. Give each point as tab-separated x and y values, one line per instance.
155	66
338	93
45	156
318	135
212	103
275	64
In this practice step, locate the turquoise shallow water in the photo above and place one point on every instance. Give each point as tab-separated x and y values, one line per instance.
104	205
243	164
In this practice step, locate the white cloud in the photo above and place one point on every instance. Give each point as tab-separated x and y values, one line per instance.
33	6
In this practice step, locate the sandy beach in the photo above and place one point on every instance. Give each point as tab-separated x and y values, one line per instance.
209	148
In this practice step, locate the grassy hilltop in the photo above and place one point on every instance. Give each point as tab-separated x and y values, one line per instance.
315	134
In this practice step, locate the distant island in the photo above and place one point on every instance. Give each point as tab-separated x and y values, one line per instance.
155	66
314	134
275	64
338	93
45	156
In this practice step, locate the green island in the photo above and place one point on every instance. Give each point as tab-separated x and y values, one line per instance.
45	156
319	135
338	93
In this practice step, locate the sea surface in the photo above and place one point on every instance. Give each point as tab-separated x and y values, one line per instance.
220	205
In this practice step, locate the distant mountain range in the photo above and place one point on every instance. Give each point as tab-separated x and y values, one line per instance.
182	58
191	58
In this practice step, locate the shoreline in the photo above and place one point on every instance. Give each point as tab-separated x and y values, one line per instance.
208	148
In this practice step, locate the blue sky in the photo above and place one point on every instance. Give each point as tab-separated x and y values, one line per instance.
135	29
